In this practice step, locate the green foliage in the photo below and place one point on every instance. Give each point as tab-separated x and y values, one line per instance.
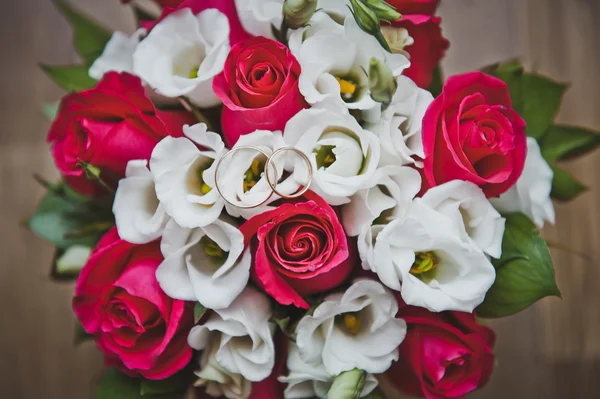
566	142
564	186
70	77
67	219
116	385
199	311
437	83
89	36
51	110
80	335
524	273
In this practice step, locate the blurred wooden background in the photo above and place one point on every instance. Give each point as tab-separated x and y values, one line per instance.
550	351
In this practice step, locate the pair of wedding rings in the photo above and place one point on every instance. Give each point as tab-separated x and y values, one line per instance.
270	180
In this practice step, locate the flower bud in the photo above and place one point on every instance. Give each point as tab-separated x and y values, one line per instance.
297	13
365	17
381	82
383	10
347	385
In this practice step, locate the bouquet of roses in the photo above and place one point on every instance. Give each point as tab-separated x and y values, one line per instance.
276	199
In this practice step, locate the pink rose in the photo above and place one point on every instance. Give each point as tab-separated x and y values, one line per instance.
108	126
428	49
471	132
227	7
444	355
118	300
426	7
299	249
258	87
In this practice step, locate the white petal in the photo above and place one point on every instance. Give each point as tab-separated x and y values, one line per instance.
117	55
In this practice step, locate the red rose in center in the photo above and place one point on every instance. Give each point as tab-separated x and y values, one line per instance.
258	87
300	249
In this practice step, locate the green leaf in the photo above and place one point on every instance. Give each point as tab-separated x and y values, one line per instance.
564	186
141	14
376	394
172	387
70	77
437	82
347	385
66	220
524	273
565	142
51	110
72	260
89	36
116	385
80	335
199	311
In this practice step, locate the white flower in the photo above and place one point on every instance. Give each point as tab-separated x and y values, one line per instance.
241	176
243	334
334	65
344	156
399	126
139	216
531	193
306	380
474	216
394	188
357	329
422	256
183	53
398	39
258	17
185	176
218	381
117	55
208	264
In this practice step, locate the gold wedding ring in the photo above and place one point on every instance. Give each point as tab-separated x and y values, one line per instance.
274	185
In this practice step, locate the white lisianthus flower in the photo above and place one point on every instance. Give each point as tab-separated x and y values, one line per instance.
258	17
399	126
219	382
422	256
139	216
334	65
531	193
243	335
117	55
320	22
183	53
207	264
394	188
185	176
474	216
241	175
309	381
357	329
344	156
398	39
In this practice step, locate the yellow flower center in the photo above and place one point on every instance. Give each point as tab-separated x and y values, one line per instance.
212	249
204	188
253	173
424	262
194	72
352	323
325	156
347	88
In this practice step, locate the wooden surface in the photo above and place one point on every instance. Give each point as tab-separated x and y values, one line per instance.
549	351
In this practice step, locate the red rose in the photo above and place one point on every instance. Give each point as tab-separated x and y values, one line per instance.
227	7
470	132
118	300
427	50
258	87
300	249
107	127
427	7
444	355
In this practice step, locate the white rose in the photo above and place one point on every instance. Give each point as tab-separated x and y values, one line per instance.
422	256
399	126
208	264
357	329
185	176
117	55
474	216
344	156
531	193
183	53
306	380
139	216
243	334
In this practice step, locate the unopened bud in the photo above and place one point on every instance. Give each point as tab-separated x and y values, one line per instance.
383	10
365	17
381	83
297	13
